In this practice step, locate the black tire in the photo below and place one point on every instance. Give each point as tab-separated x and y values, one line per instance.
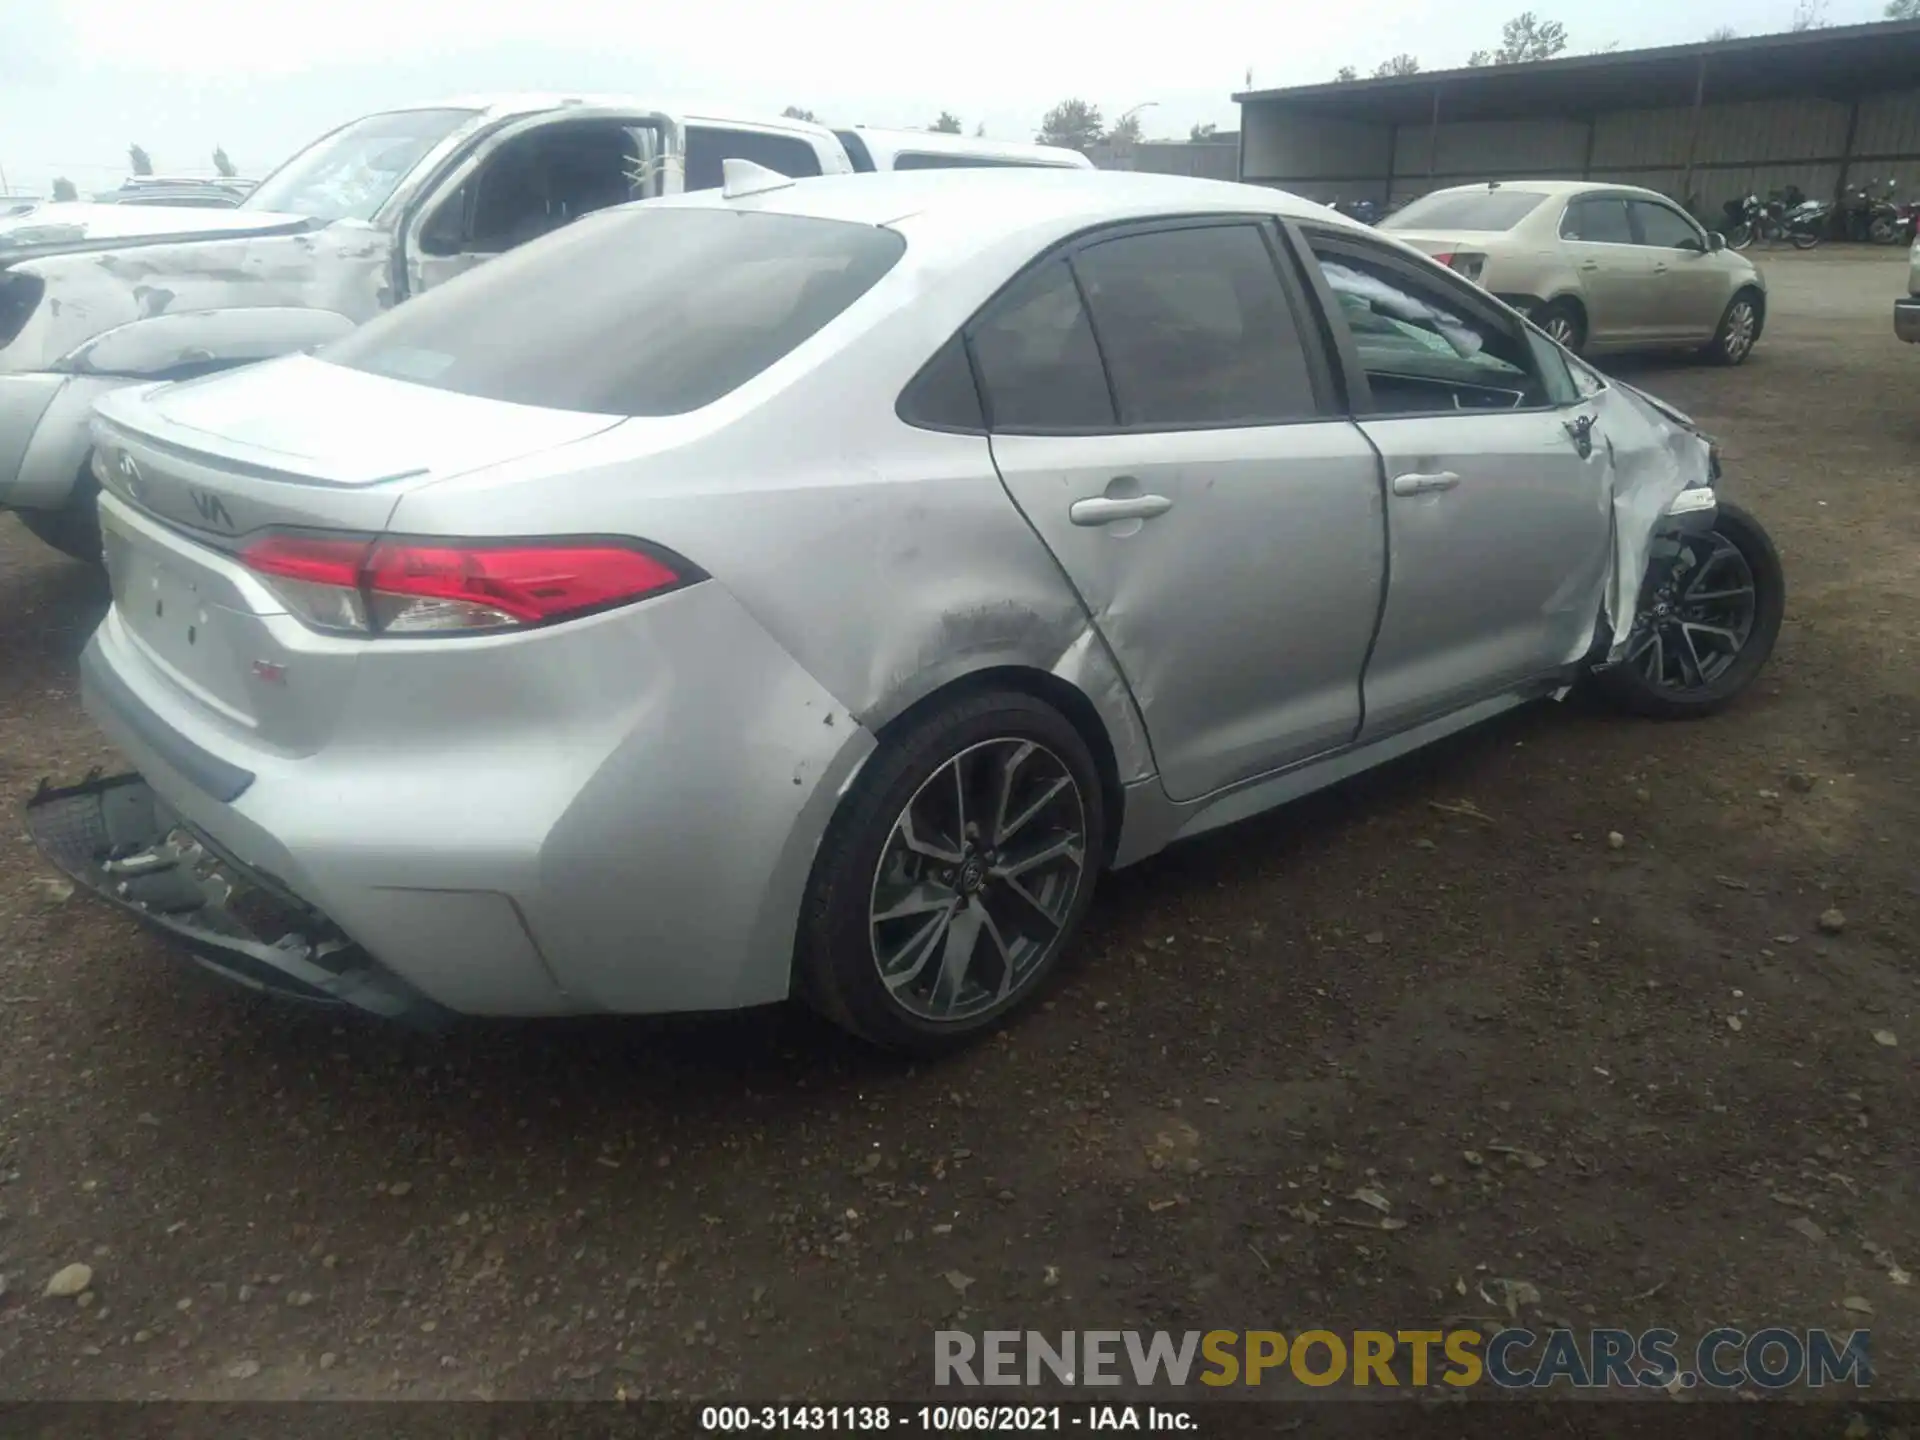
1565	322
836	964
1740	237
1804	239
1628	684
1739	330
73	529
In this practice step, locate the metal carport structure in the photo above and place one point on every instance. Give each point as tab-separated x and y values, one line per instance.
1819	109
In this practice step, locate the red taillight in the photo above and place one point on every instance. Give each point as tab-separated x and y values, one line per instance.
397	587
1445	258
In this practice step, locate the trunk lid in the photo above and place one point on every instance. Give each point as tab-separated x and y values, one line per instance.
1461	250
194	470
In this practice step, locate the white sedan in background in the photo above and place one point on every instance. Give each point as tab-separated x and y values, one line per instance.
1598	267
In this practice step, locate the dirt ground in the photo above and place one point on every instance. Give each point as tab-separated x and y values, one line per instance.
1359	991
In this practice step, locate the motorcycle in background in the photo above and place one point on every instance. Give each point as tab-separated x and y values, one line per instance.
1786	214
1888	221
1746	220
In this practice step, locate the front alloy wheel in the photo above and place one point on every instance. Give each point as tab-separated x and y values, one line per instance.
1739	330
1699	617
1709	614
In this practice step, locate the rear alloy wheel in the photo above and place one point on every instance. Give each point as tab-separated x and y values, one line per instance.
1562	323
1709	614
955	876
1739	330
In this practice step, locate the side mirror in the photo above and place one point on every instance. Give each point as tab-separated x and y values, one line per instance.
1716	242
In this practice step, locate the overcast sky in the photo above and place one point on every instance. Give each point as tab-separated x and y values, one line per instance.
79	79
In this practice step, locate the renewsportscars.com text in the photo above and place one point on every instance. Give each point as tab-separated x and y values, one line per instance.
1769	1359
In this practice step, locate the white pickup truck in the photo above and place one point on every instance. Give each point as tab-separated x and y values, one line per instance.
1906	313
94	297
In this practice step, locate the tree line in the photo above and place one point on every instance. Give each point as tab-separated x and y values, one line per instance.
1526	38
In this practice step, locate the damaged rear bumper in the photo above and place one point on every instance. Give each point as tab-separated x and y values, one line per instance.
116	838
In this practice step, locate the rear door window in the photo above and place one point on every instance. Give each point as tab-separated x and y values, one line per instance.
637	311
1037	359
1597	222
1196	328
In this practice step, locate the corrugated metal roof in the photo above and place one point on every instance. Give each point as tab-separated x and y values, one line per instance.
1843	60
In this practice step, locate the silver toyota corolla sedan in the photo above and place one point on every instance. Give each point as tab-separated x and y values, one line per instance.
812	588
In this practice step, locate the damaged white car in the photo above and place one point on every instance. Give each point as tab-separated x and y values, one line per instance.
813	588
97	296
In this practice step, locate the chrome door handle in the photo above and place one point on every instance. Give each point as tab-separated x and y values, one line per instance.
1660	269
1589	264
1417	484
1102	511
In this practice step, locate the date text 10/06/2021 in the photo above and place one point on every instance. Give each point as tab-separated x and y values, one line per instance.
940	1419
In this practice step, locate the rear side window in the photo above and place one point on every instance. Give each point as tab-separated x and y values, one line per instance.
707	147
1598	222
1037	357
637	311
1196	328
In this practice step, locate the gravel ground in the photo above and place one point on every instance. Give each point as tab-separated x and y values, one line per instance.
1641	1077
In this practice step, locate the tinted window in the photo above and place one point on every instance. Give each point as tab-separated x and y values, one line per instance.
1036	356
1598	222
639	311
943	396
707	147
1466	210
1195	328
1664	227
1422	349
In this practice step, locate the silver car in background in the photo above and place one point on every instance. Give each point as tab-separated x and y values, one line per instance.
811	588
1598	267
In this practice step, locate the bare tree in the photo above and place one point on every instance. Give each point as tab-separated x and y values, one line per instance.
794	112
1399	65
222	164
1346	73
947	124
1809	15
1725	33
980	130
141	162
1202	132
1903	9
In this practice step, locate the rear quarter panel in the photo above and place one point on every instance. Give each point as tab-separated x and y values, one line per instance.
888	560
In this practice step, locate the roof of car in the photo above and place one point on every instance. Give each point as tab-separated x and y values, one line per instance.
973	203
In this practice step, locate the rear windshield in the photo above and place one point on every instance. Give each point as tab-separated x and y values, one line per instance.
1471	210
643	310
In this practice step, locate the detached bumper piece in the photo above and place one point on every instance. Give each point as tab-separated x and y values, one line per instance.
115	837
